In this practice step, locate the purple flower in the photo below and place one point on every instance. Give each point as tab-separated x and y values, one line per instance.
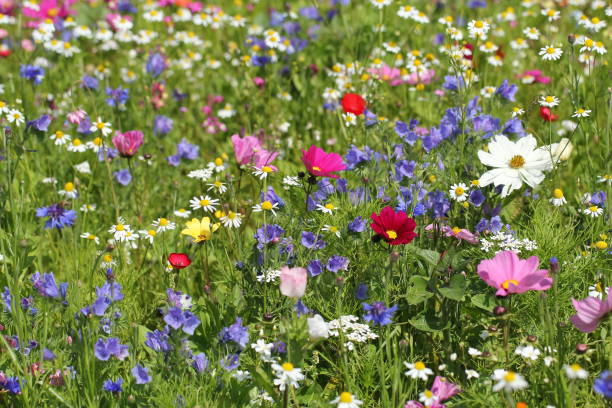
113	386
103	350
486	124
141	374
230	362
116	97
41	124
270	233
404	168
378	314
48	355
337	263
162	125
357	225
89	82
59	217
181	319
236	333
45	285
184	150
507	91
603	384
158	340
272	197
362	292
300	308
314	267
32	73
10	384
6	299
312	241
156	64
200	362
476	197
453	83
123	177
514	126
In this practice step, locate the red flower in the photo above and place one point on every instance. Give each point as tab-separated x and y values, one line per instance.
179	261
353	103
319	163
396	228
547	114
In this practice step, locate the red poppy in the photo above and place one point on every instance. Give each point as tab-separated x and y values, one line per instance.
179	261
321	164
396	228
470	54
547	114
353	103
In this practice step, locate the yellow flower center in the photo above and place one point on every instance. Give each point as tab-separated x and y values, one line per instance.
346	397
163	222
517	162
69	186
391	234
315	168
459	191
287	366
97	141
119	227
588	42
218	184
53	12
91	237
329	206
107	258
432	178
59	134
595	20
549	99
557	193
456	230
478	24
266	205
333	229
419	365
76	142
593	208
218	161
266	169
67	45
575	367
231	215
204	203
428	393
100	125
550	50
152	233
506	283
510	376
550	13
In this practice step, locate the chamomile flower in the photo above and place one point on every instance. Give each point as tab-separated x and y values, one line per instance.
262	172
532	33
16	117
332	229
346	400
428	398
575	372
459	192
182	213
88	208
380	3
558	199
206	203
328	208
107	261
149	235
417	370
90	237
77	146
508	381
164	224
290	181
3	107
488	91
231	219
551	14
96	144
119	229
478	29
59	138
548	101
550	53
581	113
101	126
406	11
266	206
517	111
69	191
350	119
129	237
594	211
287	375
218	186
606	178
217	165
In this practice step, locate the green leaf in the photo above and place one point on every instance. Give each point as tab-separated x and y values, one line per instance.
417	290
428	323
456	288
431	257
483	301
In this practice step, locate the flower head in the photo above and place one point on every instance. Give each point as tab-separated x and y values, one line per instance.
590	311
321	164
200	230
129	142
509	274
353	103
396	228
179	261
293	281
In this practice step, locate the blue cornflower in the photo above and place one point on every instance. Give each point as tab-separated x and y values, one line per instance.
89	82
117	97
181	319
270	233
141	374
10	384
236	333
312	241
32	73
507	91
103	350
162	125
357	225
184	150
603	384
123	177
113	386
156	64
45	285
337	263
378	314
59	217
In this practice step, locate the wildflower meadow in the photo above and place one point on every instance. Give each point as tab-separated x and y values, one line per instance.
305	203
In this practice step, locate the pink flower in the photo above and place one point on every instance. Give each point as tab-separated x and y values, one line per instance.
128	143
249	150
77	116
321	164
534	75
259	82
293	281
422	78
509	274
49	9
459	233
590	311
394	77
443	389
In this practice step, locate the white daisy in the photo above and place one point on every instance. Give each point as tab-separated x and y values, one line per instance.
101	126
164	224
558	198
149	235
550	53
328	208
332	229
508	380
231	219
182	213
459	192
346	400
90	237
204	202
593	211
581	113
549	101
266	206
77	146
69	191
287	375
418	370
218	186
575	372
60	138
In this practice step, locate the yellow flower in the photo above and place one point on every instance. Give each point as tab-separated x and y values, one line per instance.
200	230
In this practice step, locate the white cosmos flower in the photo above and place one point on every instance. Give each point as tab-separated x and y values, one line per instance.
515	163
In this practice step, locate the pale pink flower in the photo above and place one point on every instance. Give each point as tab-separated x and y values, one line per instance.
509	274
293	281
590	311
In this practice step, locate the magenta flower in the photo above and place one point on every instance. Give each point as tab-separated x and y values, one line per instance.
321	164
249	150
128	143
459	233
51	9
76	116
443	389
293	281
394	77
591	311
509	274
533	76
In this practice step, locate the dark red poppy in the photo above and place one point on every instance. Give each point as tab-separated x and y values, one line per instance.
547	114
179	261
396	228
353	103
468	55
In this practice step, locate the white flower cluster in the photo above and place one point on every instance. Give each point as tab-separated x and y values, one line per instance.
271	275
351	330
528	352
504	241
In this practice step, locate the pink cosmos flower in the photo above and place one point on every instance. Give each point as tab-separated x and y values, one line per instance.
293	281
77	116
532	76
591	311
249	150
394	77
49	9
321	164
129	142
509	274
443	389
459	233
